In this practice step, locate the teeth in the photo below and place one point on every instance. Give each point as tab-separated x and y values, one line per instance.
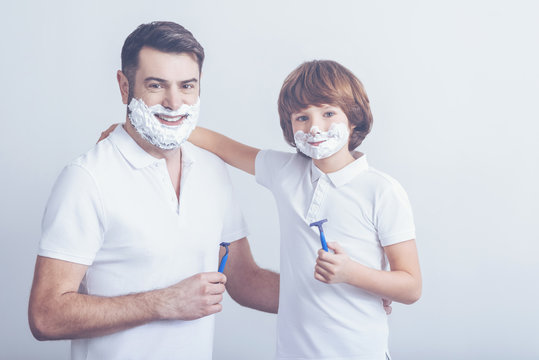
171	119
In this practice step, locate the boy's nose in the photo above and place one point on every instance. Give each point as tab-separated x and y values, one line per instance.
315	130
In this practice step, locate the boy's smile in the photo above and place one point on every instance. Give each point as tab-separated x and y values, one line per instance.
316	143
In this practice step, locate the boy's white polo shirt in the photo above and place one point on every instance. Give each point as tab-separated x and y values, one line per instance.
366	210
115	210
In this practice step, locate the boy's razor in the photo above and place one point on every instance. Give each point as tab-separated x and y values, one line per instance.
322	236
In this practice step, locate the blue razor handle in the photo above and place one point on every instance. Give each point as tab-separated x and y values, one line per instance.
323	240
322	236
225	257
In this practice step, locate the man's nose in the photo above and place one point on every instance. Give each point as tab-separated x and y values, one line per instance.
173	100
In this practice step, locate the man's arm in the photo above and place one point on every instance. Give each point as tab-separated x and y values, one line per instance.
57	311
232	152
248	284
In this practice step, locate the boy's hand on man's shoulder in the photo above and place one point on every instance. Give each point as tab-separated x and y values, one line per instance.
105	134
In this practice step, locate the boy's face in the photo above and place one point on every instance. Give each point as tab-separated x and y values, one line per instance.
321	131
318	119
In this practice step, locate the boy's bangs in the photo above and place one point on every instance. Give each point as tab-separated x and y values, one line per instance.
310	91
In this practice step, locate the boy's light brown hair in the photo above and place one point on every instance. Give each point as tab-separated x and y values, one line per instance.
320	82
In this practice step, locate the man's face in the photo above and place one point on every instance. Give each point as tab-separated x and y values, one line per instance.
163	97
167	79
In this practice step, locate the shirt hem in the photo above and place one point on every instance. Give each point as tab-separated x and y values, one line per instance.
66	257
235	236
397	238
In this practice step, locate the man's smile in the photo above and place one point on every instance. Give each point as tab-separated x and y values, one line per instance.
170	120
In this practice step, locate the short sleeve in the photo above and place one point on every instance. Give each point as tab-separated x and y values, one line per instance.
234	226
72	226
393	215
269	164
262	169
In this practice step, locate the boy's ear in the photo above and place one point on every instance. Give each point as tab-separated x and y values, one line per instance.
123	83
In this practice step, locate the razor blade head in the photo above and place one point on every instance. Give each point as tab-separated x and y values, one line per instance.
225	244
318	223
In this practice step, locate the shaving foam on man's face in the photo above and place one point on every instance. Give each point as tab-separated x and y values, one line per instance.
179	123
318	145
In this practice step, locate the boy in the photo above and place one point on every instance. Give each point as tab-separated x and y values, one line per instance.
337	314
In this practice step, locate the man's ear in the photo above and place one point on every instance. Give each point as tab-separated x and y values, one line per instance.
123	83
199	82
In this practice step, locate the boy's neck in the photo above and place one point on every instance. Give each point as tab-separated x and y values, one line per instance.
335	162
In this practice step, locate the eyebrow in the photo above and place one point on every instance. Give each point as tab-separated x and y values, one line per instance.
159	80
193	80
151	78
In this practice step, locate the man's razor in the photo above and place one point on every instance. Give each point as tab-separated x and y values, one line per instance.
225	257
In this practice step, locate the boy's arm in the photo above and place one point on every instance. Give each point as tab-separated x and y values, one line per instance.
401	284
232	152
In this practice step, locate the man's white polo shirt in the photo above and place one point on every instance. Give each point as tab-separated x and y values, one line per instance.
366	210
115	210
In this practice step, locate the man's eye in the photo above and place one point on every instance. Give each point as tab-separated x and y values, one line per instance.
154	86
188	86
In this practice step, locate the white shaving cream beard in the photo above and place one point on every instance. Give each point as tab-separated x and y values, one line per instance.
165	137
333	140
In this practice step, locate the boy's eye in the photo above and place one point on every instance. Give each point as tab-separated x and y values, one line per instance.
302	118
330	113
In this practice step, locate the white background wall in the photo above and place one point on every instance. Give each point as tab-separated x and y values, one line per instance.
454	89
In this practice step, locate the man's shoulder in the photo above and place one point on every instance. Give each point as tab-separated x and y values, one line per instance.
204	158
100	155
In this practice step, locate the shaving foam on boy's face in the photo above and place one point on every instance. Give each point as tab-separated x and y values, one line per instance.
145	120
318	144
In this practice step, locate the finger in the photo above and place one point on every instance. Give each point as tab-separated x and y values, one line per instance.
336	247
328	266
388	309
212	309
386	302
216	289
215	277
214	299
319	277
323	272
326	256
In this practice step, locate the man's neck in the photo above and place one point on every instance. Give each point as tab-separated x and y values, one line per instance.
172	157
168	155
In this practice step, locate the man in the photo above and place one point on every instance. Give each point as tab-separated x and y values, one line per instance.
127	259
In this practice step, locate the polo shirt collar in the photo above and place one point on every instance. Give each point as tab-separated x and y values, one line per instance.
188	153
346	174
137	156
132	152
